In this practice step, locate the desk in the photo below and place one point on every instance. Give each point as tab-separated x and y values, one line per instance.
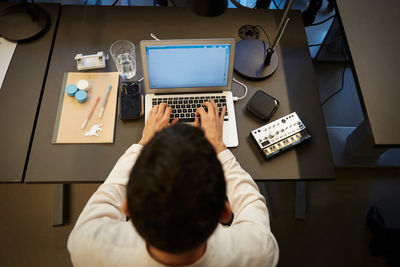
372	38
20	98
90	29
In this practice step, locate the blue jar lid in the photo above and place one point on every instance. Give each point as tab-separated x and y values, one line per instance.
81	96
71	89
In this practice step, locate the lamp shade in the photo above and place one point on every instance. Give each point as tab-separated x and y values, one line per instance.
208	8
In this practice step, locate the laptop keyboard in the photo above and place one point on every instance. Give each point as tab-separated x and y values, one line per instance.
185	108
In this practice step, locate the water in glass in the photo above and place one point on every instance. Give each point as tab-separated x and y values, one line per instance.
126	66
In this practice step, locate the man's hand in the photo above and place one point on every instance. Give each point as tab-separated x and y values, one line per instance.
227	214
157	119
211	123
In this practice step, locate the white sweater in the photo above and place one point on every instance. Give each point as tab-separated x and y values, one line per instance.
102	236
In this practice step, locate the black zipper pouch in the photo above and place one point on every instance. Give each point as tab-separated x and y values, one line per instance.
262	105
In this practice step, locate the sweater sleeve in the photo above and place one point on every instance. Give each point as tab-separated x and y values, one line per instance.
248	205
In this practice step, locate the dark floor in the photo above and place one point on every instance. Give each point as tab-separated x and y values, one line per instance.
334	232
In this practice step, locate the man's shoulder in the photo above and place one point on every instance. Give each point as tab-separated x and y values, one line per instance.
106	241
244	231
244	244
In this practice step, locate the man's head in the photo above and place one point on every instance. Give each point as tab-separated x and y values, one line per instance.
176	190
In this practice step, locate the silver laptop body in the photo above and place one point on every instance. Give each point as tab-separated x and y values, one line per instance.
196	69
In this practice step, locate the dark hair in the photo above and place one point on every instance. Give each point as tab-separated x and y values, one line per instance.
176	190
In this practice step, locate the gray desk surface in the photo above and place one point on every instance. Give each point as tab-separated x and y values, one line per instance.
373	39
19	99
81	31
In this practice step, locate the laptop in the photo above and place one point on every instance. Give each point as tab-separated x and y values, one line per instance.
185	73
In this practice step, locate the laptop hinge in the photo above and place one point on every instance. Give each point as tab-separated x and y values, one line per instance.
190	93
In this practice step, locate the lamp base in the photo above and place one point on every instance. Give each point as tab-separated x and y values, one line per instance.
249	59
23	22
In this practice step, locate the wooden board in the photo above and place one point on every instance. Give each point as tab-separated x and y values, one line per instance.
71	113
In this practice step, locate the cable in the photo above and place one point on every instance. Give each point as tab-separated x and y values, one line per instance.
259	26
154	36
277	7
115	2
342	86
321	22
173	3
338	91
237	4
235	98
326	43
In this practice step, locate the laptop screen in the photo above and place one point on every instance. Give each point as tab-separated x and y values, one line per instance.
192	65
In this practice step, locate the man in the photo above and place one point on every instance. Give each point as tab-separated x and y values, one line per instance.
175	196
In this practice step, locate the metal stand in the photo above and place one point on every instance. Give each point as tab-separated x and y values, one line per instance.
249	59
300	200
360	143
254	59
60	197
353	147
300	212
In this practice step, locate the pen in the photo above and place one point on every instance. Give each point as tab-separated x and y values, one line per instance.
105	101
90	113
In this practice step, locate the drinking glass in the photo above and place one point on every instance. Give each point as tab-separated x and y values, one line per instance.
123	54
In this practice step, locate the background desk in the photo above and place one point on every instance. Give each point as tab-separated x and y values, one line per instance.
20	97
90	29
372	40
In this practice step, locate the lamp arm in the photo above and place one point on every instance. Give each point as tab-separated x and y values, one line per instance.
279	36
283	21
281	29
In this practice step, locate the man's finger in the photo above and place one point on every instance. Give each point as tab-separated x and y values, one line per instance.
175	120
196	122
150	113
155	109
222	116
215	107
210	107
167	113
161	109
213	103
200	111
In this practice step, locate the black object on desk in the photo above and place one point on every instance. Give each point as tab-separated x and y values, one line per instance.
131	101
23	22
256	59
262	105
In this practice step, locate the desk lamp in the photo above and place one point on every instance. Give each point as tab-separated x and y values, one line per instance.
23	22
255	59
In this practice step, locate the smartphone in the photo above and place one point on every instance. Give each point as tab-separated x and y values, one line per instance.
131	101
